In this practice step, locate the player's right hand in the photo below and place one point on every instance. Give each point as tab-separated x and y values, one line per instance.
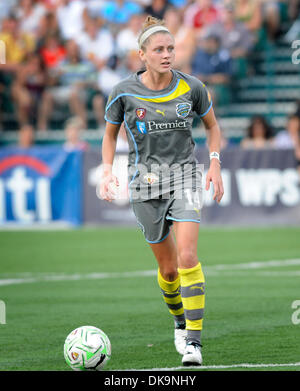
107	189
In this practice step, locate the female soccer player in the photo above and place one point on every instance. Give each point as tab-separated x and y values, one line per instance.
157	106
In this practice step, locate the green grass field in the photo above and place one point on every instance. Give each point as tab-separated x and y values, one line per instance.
55	281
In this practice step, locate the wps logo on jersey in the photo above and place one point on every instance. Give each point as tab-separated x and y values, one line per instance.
141	127
183	109
140	113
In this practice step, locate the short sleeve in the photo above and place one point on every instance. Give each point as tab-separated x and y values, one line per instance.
114	111
202	102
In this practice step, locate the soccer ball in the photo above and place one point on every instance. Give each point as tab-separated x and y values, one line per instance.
87	348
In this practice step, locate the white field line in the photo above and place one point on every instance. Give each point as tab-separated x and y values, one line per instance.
26	278
75	277
257	265
296	364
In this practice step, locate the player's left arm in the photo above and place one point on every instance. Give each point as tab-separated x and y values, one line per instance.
214	142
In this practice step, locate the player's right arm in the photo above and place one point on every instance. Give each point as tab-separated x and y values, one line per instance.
114	116
108	152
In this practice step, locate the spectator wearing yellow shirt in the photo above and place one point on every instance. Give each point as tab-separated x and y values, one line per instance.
17	45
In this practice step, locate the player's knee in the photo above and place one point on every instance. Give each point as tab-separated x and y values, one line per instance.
169	273
187	258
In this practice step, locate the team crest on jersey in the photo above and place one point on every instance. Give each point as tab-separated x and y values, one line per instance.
150	178
140	113
141	127
183	109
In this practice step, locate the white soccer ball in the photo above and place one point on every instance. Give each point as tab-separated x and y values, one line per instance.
87	348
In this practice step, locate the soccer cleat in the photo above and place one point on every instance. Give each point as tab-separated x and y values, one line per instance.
192	354
180	335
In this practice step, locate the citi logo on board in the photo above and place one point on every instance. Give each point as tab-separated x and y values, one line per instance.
25	191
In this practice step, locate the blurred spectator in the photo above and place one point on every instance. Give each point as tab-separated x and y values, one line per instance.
224	141
249	13
130	64
26	136
18	44
157	8
53	52
48	26
120	11
127	38
94	7
233	35
289	138
70	80
293	9
201	14
50	4
271	15
29	14
70	15
3	97
96	43
107	79
28	88
73	129
6	8
213	66
297	111
294	31
179	3
259	134
184	39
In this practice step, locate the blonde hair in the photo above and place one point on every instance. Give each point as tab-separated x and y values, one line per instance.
150	22
74	122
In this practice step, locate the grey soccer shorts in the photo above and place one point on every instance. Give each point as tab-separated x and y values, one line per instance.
155	216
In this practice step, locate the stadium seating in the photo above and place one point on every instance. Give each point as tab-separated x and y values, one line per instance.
269	86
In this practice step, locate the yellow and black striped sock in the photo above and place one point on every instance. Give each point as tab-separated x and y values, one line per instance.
172	297
193	298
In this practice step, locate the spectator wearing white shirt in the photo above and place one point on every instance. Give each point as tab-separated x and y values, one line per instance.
107	78
70	16
96	43
30	14
127	38
97	46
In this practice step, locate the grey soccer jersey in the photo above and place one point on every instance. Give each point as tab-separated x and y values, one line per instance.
158	126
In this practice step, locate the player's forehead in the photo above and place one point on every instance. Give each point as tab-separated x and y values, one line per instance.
160	40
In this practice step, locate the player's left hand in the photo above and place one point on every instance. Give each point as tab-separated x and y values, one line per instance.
214	175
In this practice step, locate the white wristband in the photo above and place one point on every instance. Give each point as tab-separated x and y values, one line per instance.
214	155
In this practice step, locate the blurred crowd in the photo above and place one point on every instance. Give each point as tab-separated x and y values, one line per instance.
70	53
